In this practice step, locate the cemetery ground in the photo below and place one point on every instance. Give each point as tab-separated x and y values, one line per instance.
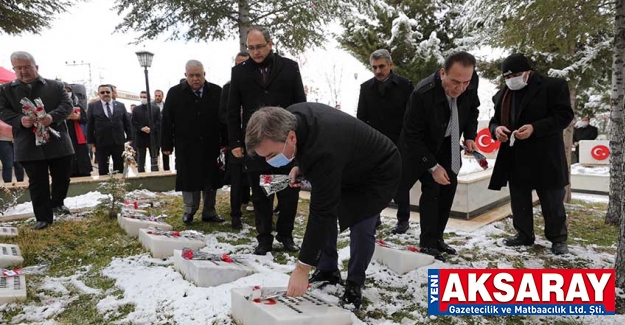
100	275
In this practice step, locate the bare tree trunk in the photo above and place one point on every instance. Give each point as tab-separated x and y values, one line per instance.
244	23
617	170
617	133
568	139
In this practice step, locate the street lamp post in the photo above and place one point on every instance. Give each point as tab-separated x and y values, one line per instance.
145	60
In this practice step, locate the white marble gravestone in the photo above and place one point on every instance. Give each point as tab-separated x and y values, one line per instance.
10	255
401	261
12	289
307	309
8	232
594	152
209	273
163	246
132	226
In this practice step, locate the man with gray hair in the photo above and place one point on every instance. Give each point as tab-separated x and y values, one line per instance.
353	170
51	159
191	126
382	104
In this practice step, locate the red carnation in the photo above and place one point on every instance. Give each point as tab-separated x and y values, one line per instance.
187	254
483	163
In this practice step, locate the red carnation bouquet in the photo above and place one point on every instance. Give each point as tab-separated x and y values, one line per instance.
276	183
481	159
36	110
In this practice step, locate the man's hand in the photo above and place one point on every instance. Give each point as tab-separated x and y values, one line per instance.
167	152
524	132
146	129
46	120
28	121
93	147
74	116
440	176
237	152
575	144
293	177
470	145
298	282
501	132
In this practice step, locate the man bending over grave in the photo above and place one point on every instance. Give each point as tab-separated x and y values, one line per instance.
354	171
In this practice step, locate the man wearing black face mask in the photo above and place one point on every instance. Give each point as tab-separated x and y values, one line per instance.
141	125
531	112
265	79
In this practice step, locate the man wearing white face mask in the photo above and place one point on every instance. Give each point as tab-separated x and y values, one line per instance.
142	127
531	112
583	131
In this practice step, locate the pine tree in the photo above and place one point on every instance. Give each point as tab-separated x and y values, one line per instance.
115	190
29	16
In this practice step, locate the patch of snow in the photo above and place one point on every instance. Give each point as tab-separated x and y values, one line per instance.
87	200
579	169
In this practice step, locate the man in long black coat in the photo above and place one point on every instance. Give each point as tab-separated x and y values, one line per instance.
143	129
534	110
265	79
442	107
382	104
191	125
353	170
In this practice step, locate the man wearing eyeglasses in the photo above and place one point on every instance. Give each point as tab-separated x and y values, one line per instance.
108	128
52	159
265	79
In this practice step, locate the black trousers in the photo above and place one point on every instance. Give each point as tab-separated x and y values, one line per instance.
102	155
551	203
142	155
361	247
263	210
42	197
239	187
165	161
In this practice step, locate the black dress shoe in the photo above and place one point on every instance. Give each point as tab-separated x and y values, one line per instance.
330	277
443	247
560	248
352	295
41	225
61	211
236	223
262	249
187	218
401	227
518	240
434	252
289	244
216	218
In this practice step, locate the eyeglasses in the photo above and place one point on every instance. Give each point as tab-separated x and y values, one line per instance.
105	92
257	47
23	67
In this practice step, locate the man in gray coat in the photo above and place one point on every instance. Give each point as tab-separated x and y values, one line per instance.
51	159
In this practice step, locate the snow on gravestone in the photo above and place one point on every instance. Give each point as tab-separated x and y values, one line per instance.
12	289
209	273
132	225
10	255
401	261
8	232
162	246
307	309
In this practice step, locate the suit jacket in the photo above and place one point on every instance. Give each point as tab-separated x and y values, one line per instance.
354	171
56	102
426	119
247	91
140	119
105	131
191	125
384	109
538	162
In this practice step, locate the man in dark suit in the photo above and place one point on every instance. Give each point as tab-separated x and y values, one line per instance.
143	132
531	112
583	131
240	188
52	159
382	104
264	79
441	109
349	188
191	125
108	127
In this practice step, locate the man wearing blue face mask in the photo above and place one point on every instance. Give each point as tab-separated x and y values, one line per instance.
531	112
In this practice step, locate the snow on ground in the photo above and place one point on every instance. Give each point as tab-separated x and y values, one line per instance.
87	200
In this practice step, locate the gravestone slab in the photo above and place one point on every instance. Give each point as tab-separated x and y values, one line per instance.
307	309
10	255
8	232
594	152
162	246
12	289
204	273
401	261
132	226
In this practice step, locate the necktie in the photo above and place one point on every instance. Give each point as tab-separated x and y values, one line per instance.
455	138
108	110
265	73
198	93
